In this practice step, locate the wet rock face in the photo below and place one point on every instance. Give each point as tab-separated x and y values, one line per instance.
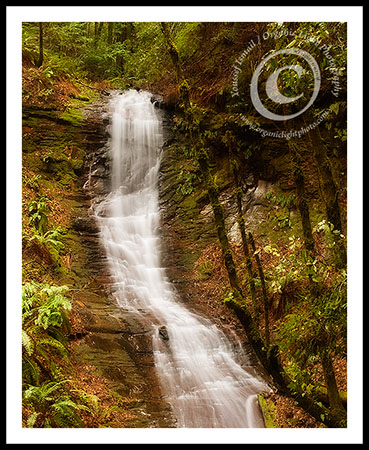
97	162
114	341
111	338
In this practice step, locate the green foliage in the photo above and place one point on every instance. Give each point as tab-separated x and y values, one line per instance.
282	207
51	399
52	406
45	305
187	37
205	269
316	325
186	185
268	410
34	182
44	322
316	314
281	199
330	234
189	152
101	64
51	242
229	298
147	58
38	210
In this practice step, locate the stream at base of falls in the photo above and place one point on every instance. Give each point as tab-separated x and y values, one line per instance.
200	376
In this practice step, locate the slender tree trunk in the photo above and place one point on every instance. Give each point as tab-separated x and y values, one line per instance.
301	200
334	398
268	357
173	52
183	87
41	45
110	32
329	187
245	244
263	287
202	159
122	37
96	33
329	192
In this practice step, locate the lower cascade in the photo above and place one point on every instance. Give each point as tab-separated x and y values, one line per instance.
198	371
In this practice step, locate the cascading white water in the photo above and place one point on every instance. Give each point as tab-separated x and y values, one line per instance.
199	374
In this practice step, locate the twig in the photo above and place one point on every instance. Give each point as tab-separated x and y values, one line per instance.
91	87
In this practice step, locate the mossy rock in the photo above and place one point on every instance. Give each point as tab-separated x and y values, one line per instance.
73	116
205	270
268	411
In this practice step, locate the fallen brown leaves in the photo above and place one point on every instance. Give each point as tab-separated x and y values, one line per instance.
288	415
109	409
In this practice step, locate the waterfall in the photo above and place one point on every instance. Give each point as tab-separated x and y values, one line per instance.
199	374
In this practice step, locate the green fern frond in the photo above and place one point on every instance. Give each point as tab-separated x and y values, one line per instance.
31	372
53	343
110	410
27	343
28	296
32	419
64	413
91	401
38	395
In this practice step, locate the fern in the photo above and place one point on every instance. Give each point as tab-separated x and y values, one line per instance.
28	296
53	406
27	343
44	322
49	342
32	419
38	210
64	413
31	371
49	241
38	396
90	401
48	302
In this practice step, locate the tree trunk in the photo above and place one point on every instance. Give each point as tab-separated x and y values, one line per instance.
335	401
173	52
329	187
245	244
268	357
183	88
301	200
110	32
202	159
263	287
98	29
122	37
330	192
41	45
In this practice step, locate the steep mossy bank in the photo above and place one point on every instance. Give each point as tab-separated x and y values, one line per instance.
191	251
268	197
